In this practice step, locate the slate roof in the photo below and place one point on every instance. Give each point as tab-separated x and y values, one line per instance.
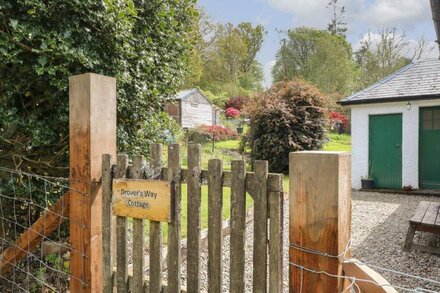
416	81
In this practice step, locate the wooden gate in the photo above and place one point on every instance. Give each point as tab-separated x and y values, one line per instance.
266	191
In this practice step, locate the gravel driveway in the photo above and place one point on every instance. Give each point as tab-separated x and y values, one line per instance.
379	225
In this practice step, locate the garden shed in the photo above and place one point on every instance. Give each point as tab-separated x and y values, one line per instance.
396	129
191	108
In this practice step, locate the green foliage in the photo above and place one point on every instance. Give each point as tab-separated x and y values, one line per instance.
288	117
382	55
144	44
224	62
322	58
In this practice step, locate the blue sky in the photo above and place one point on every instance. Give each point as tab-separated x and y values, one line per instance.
363	16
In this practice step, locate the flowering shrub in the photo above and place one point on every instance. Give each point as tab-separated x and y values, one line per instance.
336	117
232	113
218	131
236	103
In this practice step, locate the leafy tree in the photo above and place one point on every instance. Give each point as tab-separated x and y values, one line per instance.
228	57
337	24
144	44
384	53
318	57
288	117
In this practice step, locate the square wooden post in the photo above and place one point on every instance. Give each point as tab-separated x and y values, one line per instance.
320	217
92	109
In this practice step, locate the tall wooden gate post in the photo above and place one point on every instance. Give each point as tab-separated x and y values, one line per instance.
320	217
92	107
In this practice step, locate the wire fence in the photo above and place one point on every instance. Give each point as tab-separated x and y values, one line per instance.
430	285
34	232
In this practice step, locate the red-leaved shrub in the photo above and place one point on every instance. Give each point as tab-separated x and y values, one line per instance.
232	113
336	117
236	102
290	116
218	131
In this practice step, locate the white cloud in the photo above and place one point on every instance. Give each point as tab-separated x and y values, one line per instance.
312	12
395	12
374	14
267	70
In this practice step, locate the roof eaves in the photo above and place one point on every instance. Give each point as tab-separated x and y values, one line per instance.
388	100
379	83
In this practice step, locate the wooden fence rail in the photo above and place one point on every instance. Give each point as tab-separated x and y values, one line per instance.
265	189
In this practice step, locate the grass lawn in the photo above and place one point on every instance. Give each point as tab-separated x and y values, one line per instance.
225	150
338	142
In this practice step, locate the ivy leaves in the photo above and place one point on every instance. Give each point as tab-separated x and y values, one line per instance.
144	44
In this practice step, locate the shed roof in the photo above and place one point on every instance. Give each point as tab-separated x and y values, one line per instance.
415	81
185	94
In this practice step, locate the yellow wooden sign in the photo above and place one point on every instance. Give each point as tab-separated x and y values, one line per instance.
142	199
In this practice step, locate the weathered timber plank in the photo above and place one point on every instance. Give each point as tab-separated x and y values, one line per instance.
155	228
194	221
320	216
215	239
260	226
31	238
362	272
431	214
106	222
121	234
238	226
227	177
92	132
437	221
174	160
138	235
276	202
421	209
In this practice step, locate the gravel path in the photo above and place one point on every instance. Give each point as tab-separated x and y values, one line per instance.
379	225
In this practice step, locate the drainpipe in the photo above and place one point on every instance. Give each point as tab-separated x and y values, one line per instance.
435	8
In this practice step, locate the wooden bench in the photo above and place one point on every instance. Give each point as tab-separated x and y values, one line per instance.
426	219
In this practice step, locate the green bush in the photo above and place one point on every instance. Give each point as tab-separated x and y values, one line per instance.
288	117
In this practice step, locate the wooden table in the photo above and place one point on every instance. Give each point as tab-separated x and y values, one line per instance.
426	219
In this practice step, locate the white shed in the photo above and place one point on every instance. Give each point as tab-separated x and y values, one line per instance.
190	108
396	129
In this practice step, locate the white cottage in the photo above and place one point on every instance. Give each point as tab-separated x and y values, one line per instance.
396	129
191	108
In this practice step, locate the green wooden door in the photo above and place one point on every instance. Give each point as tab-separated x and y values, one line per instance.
429	148
385	150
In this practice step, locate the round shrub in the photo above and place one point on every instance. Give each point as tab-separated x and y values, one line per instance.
232	113
288	117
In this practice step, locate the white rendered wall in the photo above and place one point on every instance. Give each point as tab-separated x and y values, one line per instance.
410	138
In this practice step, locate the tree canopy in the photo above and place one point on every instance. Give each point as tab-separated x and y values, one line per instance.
144	44
224	60
318	56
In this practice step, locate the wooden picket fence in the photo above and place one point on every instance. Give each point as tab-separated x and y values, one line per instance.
265	189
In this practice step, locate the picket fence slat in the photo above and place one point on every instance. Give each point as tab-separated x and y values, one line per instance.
276	202
138	234
106	223
121	234
215	237
155	284
260	227
174	282
226	177
238	226
194	221
266	190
